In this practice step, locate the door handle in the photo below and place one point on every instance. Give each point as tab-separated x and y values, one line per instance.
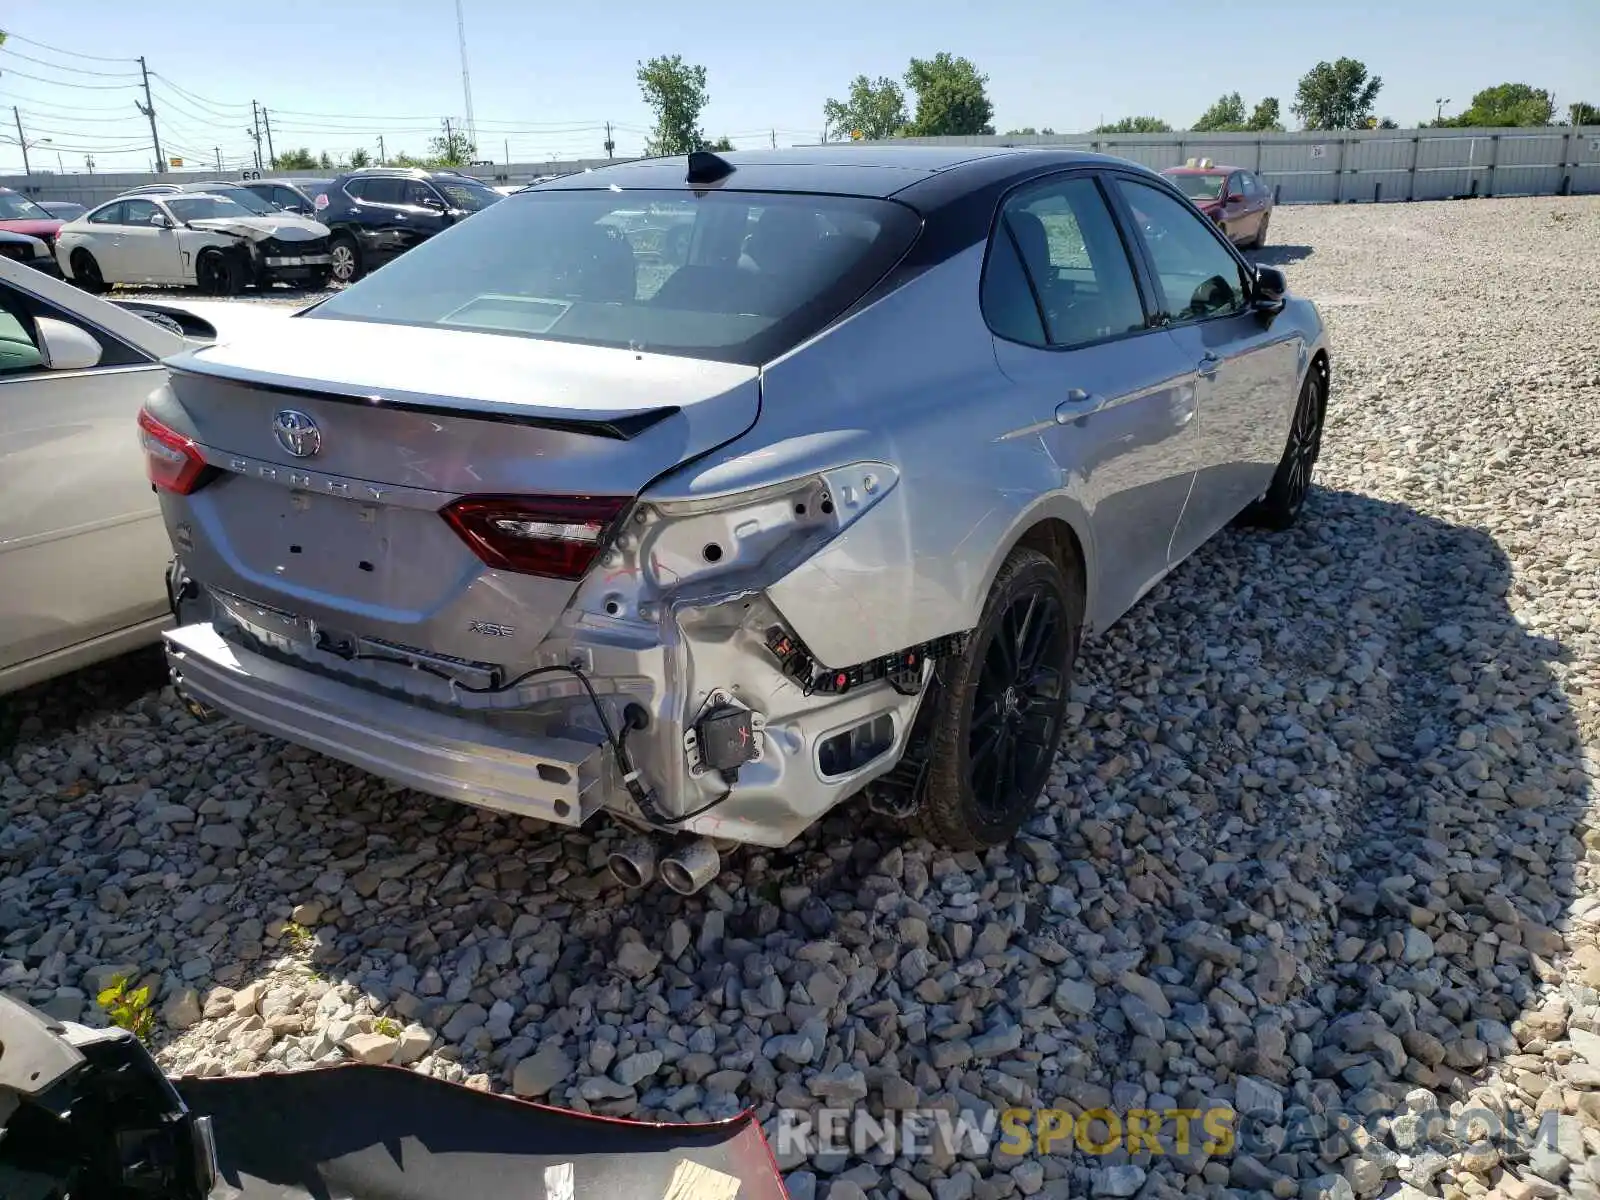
1078	404
1208	365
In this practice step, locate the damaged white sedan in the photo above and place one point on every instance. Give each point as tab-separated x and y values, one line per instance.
215	243
546	519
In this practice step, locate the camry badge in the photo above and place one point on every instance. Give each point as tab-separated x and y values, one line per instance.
296	432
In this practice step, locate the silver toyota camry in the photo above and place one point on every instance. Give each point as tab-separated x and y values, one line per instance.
708	492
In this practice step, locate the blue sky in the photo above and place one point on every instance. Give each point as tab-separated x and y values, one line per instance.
546	76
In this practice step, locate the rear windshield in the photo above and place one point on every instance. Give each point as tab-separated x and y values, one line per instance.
732	276
1199	187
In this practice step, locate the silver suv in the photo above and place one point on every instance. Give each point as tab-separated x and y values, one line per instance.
546	518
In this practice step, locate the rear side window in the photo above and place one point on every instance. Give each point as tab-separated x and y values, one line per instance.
731	276
111	214
1062	233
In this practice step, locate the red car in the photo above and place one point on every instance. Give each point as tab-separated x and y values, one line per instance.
18	214
1233	197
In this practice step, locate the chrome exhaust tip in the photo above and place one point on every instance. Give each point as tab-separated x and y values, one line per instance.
689	868
634	862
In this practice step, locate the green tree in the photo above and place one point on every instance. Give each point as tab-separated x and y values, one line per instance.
1507	104
1135	125
324	161
874	108
295	160
1227	114
1030	131
721	144
676	93
1336	95
1265	117
451	149
952	97
1583	113
359	158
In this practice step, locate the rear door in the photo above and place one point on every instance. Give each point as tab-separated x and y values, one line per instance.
1243	363
1114	394
82	547
394	223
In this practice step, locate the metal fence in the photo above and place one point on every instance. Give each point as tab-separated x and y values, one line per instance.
1350	166
1341	167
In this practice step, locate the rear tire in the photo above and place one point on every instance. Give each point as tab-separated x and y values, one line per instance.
1291	484
999	721
219	274
86	272
347	266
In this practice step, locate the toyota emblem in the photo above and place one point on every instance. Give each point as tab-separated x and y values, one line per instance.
297	433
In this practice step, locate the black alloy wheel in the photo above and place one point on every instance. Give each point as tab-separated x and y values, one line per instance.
1002	706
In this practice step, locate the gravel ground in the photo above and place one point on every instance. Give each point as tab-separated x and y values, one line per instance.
1319	845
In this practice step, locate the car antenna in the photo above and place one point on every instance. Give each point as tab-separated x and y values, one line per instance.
706	167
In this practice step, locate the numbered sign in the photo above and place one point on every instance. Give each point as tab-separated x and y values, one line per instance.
1319	151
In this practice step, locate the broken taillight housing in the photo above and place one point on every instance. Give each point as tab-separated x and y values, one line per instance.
554	536
170	460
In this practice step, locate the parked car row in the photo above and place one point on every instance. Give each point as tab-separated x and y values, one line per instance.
223	236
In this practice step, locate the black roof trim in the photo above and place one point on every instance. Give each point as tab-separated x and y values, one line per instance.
621	429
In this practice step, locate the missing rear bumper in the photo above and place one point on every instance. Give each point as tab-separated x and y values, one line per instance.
558	779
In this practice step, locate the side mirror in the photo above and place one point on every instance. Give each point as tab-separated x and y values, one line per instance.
1234	198
66	347
161	221
1271	288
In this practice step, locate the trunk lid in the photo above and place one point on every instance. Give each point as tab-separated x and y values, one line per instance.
347	533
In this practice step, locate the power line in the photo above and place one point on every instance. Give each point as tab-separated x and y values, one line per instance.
17	37
44	62
91	87
199	100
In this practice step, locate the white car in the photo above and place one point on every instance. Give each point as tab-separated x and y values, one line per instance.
192	239
82	547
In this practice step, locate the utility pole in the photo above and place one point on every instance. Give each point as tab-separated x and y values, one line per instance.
774	139
22	141
449	143
272	156
383	159
466	79
218	151
508	152
610	145
254	131
1438	109
148	108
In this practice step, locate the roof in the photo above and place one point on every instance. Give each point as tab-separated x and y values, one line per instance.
877	170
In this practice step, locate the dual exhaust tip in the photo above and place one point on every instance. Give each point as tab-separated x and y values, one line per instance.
686	870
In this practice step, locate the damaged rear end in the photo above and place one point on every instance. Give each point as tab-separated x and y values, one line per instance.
425	528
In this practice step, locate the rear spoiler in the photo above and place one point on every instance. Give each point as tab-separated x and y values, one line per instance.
621	427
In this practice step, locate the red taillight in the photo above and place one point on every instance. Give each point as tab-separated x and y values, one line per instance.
554	536
170	460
